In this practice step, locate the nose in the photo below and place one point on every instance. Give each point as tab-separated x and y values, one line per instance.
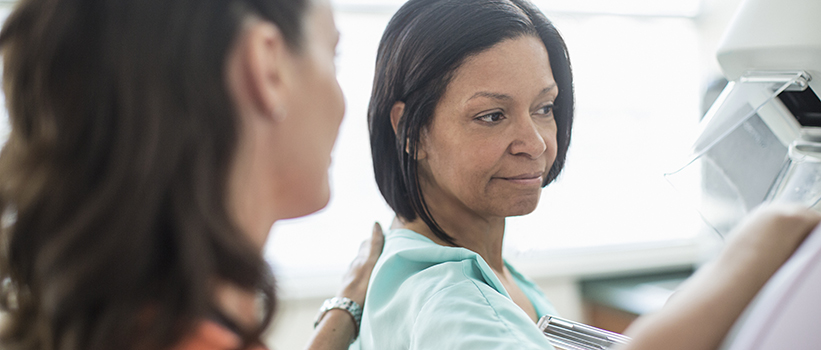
527	140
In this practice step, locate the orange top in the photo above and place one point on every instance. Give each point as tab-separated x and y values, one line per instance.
211	336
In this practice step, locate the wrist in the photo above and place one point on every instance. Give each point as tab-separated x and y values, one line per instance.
338	323
353	293
341	305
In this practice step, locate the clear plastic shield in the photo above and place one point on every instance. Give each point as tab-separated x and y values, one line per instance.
801	179
740	153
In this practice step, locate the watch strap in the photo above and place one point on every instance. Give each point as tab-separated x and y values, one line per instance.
342	303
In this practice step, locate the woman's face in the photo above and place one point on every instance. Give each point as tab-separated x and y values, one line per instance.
314	112
290	107
492	139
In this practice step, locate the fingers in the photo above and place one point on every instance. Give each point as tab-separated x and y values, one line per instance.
788	218
355	281
771	234
787	210
377	240
371	248
800	215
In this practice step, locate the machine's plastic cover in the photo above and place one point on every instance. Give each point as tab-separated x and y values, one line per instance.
737	159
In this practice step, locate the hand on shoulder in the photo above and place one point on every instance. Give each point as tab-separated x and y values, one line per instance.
355	281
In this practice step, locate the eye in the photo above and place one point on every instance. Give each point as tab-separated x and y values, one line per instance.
545	110
491	118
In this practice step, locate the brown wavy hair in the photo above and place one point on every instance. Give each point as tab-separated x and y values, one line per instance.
113	180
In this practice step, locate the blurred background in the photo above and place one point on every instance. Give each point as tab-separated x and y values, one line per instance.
610	238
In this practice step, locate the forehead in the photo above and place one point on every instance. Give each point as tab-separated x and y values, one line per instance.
517	66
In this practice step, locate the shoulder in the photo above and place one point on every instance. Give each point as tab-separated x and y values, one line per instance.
425	296
413	265
409	273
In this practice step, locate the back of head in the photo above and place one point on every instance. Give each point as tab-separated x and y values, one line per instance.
113	180
424	44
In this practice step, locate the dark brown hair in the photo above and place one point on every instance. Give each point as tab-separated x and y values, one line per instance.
424	44
113	180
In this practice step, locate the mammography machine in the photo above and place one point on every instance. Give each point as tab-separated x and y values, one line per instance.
761	141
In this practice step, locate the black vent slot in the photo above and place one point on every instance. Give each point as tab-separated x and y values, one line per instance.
804	105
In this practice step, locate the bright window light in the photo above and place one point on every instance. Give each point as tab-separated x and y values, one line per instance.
673	8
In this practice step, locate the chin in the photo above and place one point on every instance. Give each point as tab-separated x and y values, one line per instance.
520	212
307	204
522	207
321	200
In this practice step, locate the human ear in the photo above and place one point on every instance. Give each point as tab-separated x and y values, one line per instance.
397	111
396	114
264	59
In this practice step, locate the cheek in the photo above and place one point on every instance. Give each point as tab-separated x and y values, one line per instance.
549	134
320	101
551	149
460	157
337	109
331	100
471	166
322	108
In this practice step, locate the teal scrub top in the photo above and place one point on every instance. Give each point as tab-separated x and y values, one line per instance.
426	296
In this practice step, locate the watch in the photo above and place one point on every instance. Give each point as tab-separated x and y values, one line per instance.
343	303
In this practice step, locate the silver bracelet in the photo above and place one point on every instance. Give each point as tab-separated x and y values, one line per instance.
344	304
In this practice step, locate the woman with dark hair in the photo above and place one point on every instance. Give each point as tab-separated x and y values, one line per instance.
470	116
469	119
153	145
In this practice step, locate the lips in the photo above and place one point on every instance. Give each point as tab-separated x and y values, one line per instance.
526	176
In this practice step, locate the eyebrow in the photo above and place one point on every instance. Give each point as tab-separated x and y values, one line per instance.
498	96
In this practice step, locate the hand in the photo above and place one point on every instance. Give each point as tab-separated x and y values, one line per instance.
355	281
701	313
336	331
769	236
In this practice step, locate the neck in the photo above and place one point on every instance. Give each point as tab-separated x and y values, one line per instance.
481	235
477	231
252	221
250	201
250	209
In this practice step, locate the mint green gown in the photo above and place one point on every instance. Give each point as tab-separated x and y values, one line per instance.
426	296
